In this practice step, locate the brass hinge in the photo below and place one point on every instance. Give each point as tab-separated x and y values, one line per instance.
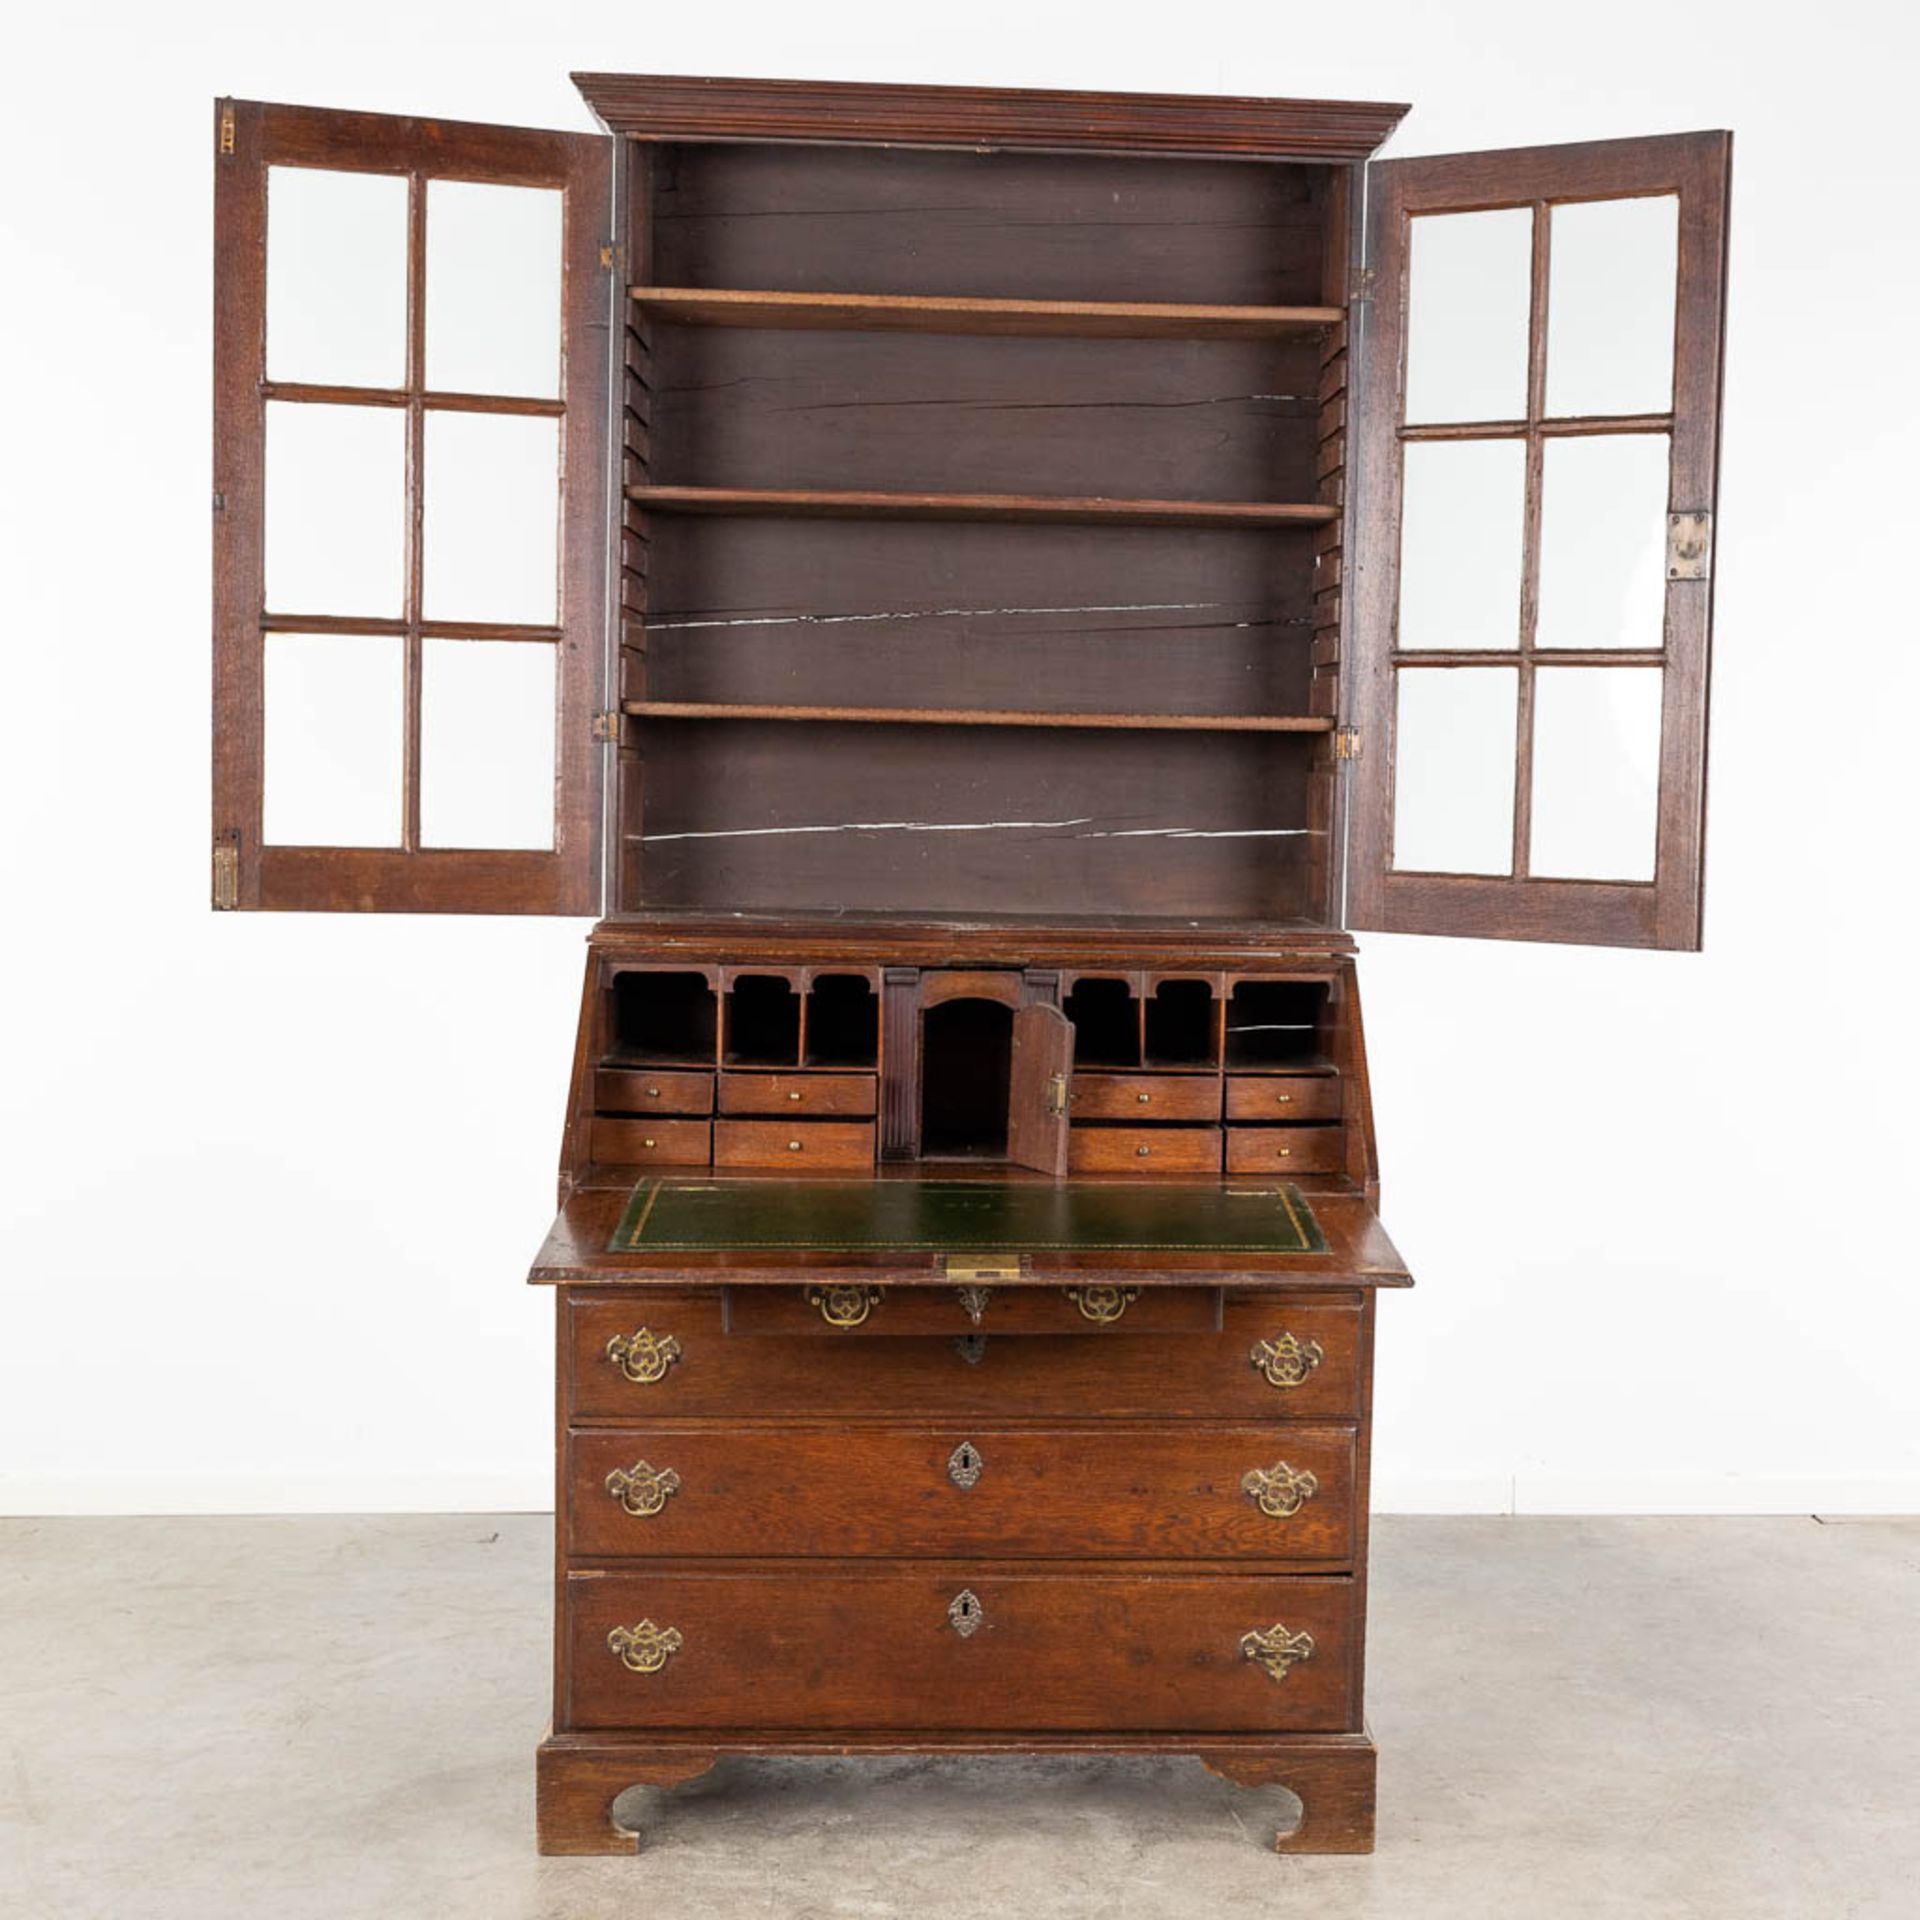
610	257
1346	743
226	129
226	876
1056	1093
978	1269
1362	287
606	726
1689	546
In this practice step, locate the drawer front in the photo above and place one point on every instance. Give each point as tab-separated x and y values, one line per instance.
1145	1096
627	1090
649	1143
651	1356
1153	1492
801	1143
1143	1150
1286	1149
888	1311
885	1647
1278	1097
798	1093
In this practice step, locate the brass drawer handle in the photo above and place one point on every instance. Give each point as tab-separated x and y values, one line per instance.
843	1306
1143	1151
1145	1099
966	1613
793	1146
645	1648
1276	1650
1285	1099
653	1093
1103	1305
1278	1491
793	1096
1286	1361
965	1464
643	1356
643	1490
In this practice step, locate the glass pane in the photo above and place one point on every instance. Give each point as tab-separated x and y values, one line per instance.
1596	772
1603	542
490	543
486	743
336	513
1611	278
493	288
335	712
1469	289
1462	507
1453	760
336	277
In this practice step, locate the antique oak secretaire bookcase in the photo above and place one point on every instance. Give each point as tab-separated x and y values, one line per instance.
979	591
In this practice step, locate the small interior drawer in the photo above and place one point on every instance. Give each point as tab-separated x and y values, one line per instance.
1286	1149
630	1090
798	1093
796	1143
1284	1097
1145	1096
648	1143
1143	1150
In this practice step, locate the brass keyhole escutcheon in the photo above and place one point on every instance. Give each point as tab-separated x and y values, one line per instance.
843	1306
964	1464
966	1613
643	1356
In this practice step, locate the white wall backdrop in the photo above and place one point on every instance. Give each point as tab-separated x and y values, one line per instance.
271	1184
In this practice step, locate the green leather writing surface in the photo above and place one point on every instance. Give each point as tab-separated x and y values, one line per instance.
964	1216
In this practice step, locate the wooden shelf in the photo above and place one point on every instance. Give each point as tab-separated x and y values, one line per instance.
1090	509
916	313
982	717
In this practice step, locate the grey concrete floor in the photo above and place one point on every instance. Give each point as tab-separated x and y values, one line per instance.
299	1717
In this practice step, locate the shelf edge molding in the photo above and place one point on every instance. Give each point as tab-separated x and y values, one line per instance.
980	717
925	313
1085	509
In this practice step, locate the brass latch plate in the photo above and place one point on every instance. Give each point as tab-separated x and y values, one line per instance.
1689	546
980	1269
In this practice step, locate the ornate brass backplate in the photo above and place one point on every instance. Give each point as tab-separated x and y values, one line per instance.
973	1302
643	1356
641	1489
966	1613
1278	1491
971	1347
1285	1361
645	1648
1276	1650
844	1306
965	1464
1103	1305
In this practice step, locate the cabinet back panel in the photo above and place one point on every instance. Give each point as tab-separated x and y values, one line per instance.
1053	619
774	816
1004	225
1152	419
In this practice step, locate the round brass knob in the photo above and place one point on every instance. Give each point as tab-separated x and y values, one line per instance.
793	1146
1143	1151
793	1096
1285	1099
1145	1099
1286	1153
653	1093
646	1143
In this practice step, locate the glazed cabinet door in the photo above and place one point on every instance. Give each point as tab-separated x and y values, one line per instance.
1538	437
410	454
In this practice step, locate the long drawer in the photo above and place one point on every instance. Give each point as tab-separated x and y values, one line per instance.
1161	1492
960	1645
646	1355
871	1313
